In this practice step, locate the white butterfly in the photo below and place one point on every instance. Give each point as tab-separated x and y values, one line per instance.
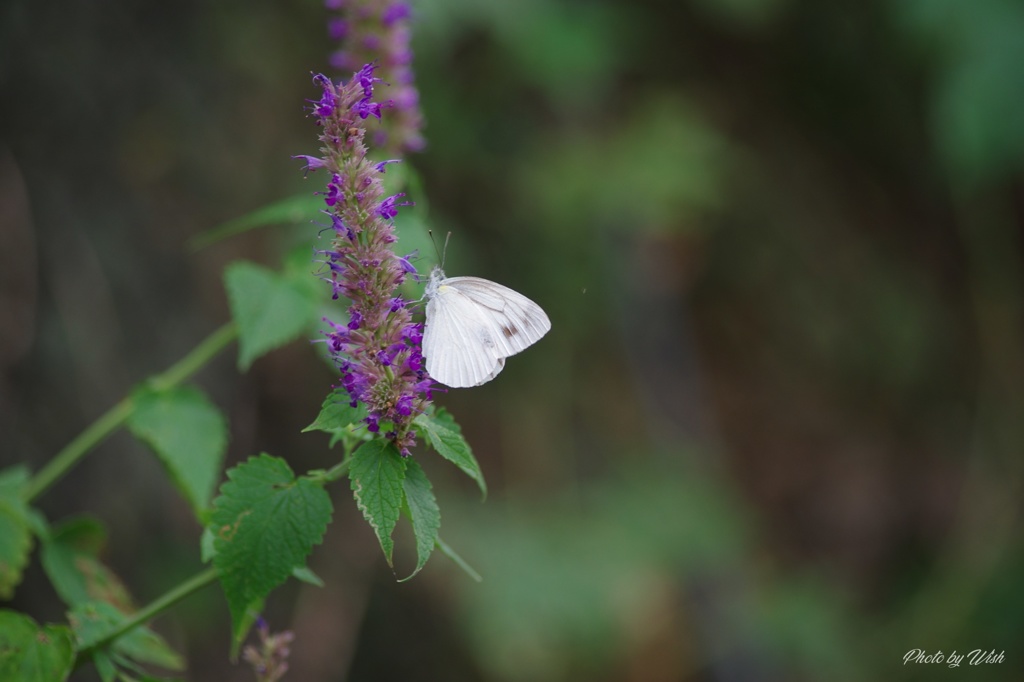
472	325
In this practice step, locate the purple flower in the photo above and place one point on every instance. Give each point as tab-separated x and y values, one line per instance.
395	13
355	319
367	109
388	209
325	105
406	263
312	162
334	192
378	351
337	28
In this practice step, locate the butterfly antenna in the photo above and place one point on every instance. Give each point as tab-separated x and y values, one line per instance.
440	254
445	252
434	243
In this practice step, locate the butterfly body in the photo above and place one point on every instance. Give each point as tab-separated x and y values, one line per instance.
472	325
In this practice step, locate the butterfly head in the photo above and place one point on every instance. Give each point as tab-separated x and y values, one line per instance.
434	283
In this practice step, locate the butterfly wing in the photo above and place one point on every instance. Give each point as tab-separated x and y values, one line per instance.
472	325
516	322
458	344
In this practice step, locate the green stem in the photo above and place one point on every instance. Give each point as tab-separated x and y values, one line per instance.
335	472
73	451
163	603
207	349
99	430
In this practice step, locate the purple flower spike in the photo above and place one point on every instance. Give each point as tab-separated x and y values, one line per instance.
377	32
270	658
378	350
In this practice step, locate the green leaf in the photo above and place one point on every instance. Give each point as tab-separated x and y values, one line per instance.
13	480
188	434
304	574
337	414
266	523
70	558
377	472
342	421
458	560
207	546
129	671
298	266
29	653
145	646
93	621
445	436
104	666
15	529
423	512
270	309
296	209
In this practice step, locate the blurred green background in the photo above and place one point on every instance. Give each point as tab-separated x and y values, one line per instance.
776	432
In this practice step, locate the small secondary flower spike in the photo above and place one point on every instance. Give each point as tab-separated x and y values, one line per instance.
270	660
378	350
378	31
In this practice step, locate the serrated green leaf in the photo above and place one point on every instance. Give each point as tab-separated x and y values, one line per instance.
343	422
445	436
188	434
377	472
93	621
97	597
13	484
15	529
30	653
270	309
337	413
266	523
297	209
69	557
423	512
15	547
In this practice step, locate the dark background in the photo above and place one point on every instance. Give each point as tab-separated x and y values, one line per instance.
776	430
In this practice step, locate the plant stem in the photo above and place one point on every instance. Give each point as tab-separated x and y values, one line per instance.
207	349
73	451
147	613
100	429
335	472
